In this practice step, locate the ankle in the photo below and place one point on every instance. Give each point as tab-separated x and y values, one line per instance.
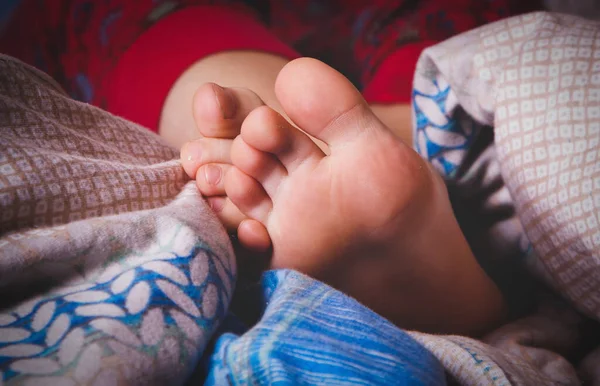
453	283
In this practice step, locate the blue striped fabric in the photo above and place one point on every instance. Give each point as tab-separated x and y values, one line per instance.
313	334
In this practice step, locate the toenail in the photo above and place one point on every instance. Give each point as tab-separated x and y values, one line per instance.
225	101
212	174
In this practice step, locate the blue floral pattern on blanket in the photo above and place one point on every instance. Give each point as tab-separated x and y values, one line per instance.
441	136
156	305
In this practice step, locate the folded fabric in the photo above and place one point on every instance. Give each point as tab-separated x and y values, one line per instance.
113	270
311	334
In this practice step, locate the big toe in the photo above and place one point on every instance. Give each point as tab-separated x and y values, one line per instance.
220	111
328	106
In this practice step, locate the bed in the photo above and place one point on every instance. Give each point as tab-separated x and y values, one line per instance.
114	271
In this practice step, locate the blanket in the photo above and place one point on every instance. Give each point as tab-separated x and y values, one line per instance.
114	271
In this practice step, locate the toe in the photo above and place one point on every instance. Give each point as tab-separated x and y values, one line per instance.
261	166
229	215
210	179
329	106
267	131
202	151
248	195
254	236
219	112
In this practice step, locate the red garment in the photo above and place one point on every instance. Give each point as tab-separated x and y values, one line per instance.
145	73
125	55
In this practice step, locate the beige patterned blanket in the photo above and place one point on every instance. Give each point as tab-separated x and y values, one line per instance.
535	81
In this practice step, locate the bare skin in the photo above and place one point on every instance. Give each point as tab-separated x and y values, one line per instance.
251	70
361	217
255	71
239	72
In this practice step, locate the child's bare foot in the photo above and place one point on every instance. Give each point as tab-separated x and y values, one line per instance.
371	219
219	113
